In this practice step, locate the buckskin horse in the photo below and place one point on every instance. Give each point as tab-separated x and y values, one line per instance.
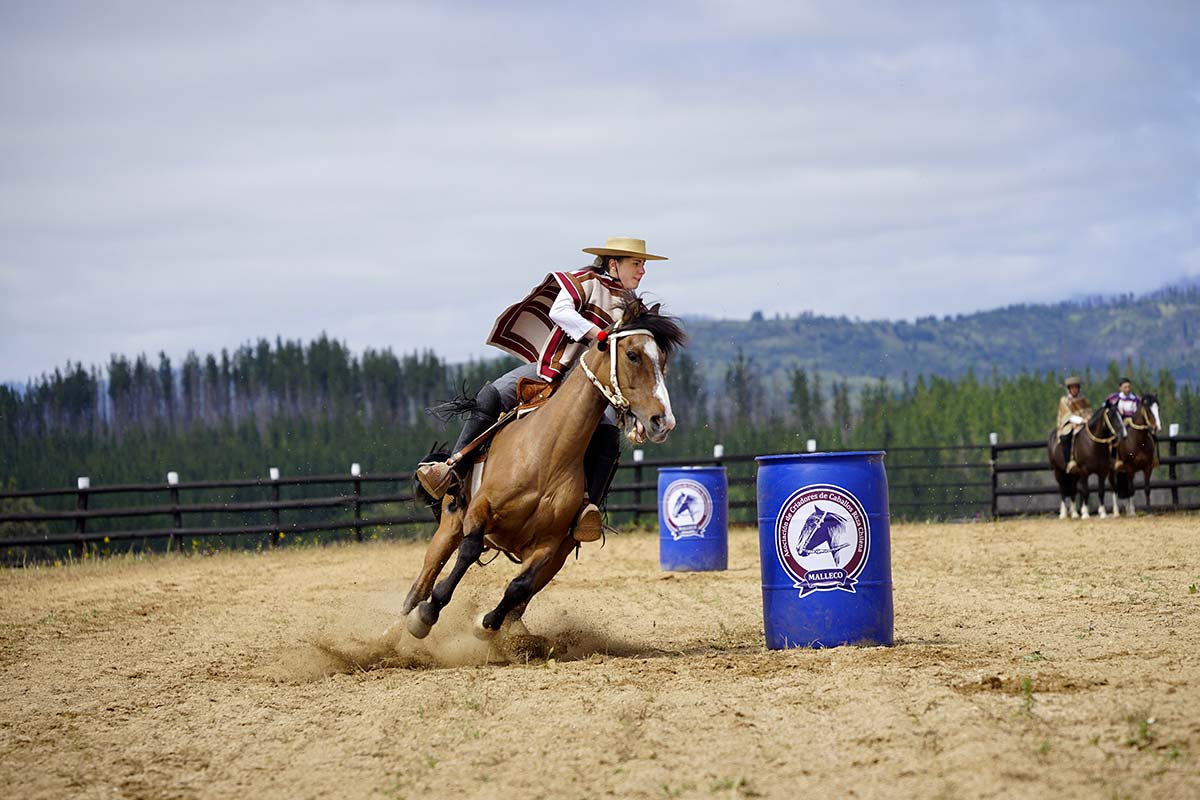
1093	456
533	483
1138	452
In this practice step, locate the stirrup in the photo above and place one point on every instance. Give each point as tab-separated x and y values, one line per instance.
1072	468
436	477
1119	464
589	526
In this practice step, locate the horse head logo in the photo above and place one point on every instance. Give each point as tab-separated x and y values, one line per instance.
820	534
684	505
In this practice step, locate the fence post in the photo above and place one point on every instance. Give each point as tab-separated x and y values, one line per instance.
275	533
82	484
811	445
1173	451
638	455
173	483
993	440
356	472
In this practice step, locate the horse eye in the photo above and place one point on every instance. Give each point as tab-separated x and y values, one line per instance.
633	357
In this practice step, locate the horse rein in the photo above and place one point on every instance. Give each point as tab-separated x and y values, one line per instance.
1107	439
613	395
1149	426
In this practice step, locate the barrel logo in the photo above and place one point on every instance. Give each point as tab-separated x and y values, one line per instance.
687	509
822	538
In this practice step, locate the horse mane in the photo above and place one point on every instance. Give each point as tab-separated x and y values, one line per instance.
667	331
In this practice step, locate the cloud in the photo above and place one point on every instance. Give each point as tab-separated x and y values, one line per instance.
395	174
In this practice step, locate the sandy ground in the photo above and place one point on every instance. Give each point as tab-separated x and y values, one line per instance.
1033	658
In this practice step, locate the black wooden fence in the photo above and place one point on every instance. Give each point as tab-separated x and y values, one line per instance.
968	482
1014	492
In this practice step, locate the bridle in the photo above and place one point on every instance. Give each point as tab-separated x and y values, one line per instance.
1144	412
612	392
1108	424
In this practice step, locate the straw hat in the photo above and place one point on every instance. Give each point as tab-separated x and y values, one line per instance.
1072	381
624	247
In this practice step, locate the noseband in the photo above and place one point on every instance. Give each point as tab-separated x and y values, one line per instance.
613	395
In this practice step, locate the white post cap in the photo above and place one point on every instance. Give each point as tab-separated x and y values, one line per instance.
994	438
638	455
718	451
83	482
355	469
1173	429
172	478
274	473
811	445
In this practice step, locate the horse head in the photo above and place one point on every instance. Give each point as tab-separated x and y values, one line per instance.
638	353
1150	408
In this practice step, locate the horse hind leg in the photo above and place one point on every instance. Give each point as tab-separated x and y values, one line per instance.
425	615
542	567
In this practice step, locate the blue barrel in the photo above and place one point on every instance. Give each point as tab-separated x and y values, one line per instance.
693	519
824	534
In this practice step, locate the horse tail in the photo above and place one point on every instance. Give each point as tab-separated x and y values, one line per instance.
438	452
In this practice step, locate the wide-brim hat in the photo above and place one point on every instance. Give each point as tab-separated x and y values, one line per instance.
624	247
1072	381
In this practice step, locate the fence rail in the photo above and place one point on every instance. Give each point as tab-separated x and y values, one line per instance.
943	483
1171	486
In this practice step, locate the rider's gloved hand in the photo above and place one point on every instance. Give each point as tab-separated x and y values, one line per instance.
1075	419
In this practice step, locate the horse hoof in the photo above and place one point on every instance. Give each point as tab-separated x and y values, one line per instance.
481	631
417	626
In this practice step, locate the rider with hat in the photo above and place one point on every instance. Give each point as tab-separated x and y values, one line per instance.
549	330
1073	411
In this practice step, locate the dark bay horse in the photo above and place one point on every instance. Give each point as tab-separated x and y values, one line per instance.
1138	451
533	484
1093	456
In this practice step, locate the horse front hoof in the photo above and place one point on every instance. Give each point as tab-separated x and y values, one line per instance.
1101	512
481	631
417	626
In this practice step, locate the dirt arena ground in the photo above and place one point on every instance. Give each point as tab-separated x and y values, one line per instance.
1033	659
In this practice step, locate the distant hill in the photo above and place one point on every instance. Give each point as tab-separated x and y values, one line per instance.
1160	329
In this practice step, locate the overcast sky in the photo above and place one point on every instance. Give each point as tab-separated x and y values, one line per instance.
193	175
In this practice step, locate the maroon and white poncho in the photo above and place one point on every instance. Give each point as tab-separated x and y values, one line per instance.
526	330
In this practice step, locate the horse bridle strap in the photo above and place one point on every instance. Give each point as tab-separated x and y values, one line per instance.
1105	440
1149	426
612	392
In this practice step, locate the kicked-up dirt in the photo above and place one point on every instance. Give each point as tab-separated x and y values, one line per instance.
1034	658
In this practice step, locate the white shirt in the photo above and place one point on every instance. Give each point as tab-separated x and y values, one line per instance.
564	315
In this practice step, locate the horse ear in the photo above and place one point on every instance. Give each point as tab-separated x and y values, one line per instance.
654	308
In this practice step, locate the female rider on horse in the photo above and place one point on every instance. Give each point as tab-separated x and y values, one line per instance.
550	329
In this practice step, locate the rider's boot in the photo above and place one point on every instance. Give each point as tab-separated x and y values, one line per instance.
599	466
436	477
1065	441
